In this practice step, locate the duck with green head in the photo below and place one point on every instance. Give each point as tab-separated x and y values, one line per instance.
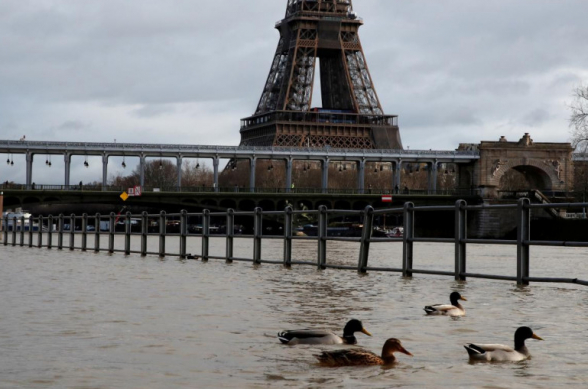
309	336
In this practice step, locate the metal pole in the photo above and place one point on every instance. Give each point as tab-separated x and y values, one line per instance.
104	171
289	163
61	222
144	232
288	237
29	171
407	245
523	236
215	162
434	174
67	158
179	165
31	222
460	236
142	170
183	233
4	226
84	232
97	222
257	235
162	231
253	164
322	237
5	230
398	175
128	233
50	232
22	230
361	176
72	227
40	233
230	234
111	231
205	234
325	175
14	223
366	235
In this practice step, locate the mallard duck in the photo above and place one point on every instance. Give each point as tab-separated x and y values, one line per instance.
500	352
455	309
359	357
293	337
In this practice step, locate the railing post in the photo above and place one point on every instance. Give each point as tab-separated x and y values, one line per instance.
31	222
230	234
60	231
72	228
523	237
322	237
205	234
40	233
257	235
14	231
144	232
5	232
22	231
460	236
111	231
97	227
84	232
162	232
183	233
288	236
407	245
50	232
366	235
128	233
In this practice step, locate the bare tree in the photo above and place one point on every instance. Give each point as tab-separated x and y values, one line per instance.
579	118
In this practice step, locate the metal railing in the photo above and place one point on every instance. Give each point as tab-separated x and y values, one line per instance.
164	226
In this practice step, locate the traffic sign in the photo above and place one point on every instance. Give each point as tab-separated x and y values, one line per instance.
387	199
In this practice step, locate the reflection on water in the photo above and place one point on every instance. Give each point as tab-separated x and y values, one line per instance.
85	320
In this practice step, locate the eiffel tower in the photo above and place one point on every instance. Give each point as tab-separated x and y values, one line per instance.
351	115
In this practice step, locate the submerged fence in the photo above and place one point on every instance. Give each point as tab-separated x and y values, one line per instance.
157	225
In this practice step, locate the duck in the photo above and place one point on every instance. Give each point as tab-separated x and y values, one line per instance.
361	357
308	336
455	309
500	352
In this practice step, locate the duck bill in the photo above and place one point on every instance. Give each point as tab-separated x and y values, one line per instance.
404	351
463	298
534	336
366	332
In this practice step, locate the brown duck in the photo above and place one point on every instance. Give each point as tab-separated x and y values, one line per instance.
360	357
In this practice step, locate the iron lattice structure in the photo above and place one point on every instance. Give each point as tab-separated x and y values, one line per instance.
351	115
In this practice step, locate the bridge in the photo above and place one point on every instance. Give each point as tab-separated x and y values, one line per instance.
252	154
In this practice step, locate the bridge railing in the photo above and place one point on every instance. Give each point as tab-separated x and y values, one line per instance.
163	227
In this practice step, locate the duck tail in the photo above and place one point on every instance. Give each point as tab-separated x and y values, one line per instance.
429	309
474	350
282	337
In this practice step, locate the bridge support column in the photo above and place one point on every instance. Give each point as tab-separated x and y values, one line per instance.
142	170
104	171
325	179
179	163
215	162
397	176
289	163
67	158
252	165
432	177
29	173
361	176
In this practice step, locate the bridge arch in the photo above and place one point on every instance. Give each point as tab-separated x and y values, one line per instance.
528	174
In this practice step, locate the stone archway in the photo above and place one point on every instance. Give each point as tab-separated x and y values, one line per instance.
524	178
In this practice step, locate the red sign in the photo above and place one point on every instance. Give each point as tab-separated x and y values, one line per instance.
135	191
386	199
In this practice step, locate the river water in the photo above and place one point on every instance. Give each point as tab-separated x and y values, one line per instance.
83	320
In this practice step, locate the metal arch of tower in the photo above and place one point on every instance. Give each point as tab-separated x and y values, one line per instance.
307	33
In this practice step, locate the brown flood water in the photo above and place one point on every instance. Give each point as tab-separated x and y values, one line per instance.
85	320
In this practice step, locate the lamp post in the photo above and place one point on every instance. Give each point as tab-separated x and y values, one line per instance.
1	213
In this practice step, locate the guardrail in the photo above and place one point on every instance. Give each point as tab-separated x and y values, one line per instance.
99	225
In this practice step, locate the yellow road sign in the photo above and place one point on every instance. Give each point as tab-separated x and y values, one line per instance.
124	196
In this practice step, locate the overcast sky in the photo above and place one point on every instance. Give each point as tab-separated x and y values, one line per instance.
186	71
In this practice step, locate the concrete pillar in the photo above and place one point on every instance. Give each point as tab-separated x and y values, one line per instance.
397	175
67	158
215	162
179	162
104	171
142	170
361	176
29	171
432	177
289	163
325	180
252	165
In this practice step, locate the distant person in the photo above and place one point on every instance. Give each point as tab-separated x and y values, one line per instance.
33	186
405	189
396	189
80	185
